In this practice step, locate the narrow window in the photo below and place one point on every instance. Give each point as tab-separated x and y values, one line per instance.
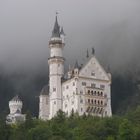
84	83
67	87
54	89
101	93
92	73
73	83
93	85
65	105
81	101
101	102
102	86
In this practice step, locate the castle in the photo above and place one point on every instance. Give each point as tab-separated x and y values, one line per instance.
84	89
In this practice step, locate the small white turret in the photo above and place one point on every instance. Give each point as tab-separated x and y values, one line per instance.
15	105
44	103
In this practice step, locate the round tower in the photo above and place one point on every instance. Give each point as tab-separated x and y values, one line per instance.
56	69
44	103
15	105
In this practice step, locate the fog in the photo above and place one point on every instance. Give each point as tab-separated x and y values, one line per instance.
112	27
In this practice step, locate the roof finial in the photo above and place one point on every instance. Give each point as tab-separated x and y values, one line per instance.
76	64
87	54
93	51
56	13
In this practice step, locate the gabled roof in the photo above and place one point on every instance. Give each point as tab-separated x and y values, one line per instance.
94	68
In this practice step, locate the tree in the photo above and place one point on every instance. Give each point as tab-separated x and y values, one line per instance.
126	131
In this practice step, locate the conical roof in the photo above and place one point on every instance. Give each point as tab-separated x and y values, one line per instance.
56	29
45	90
62	31
76	65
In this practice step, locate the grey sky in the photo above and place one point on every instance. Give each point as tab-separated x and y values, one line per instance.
112	26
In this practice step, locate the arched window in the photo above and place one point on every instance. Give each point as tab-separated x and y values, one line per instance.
101	93
95	102
92	92
89	92
88	109
101	102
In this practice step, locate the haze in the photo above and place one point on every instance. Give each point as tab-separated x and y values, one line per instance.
111	26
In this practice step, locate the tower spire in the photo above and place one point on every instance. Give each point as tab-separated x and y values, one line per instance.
87	54
93	51
56	29
62	31
76	65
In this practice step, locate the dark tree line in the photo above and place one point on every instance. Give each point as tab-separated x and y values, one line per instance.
126	127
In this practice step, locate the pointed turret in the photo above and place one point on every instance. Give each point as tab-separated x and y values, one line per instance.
87	54
56	29
62	31
93	51
76	65
56	71
62	35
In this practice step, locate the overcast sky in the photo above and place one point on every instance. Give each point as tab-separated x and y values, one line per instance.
111	26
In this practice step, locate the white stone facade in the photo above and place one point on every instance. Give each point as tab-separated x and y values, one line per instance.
85	90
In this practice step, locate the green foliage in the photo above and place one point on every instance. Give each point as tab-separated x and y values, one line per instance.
125	130
75	128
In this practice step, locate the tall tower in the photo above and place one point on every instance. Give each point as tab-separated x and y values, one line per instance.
56	69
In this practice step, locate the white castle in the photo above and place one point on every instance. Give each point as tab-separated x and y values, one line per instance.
84	89
15	116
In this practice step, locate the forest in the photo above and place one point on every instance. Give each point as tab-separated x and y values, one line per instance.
126	127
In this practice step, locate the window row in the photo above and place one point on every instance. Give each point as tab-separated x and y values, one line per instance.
96	93
94	110
93	85
95	102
